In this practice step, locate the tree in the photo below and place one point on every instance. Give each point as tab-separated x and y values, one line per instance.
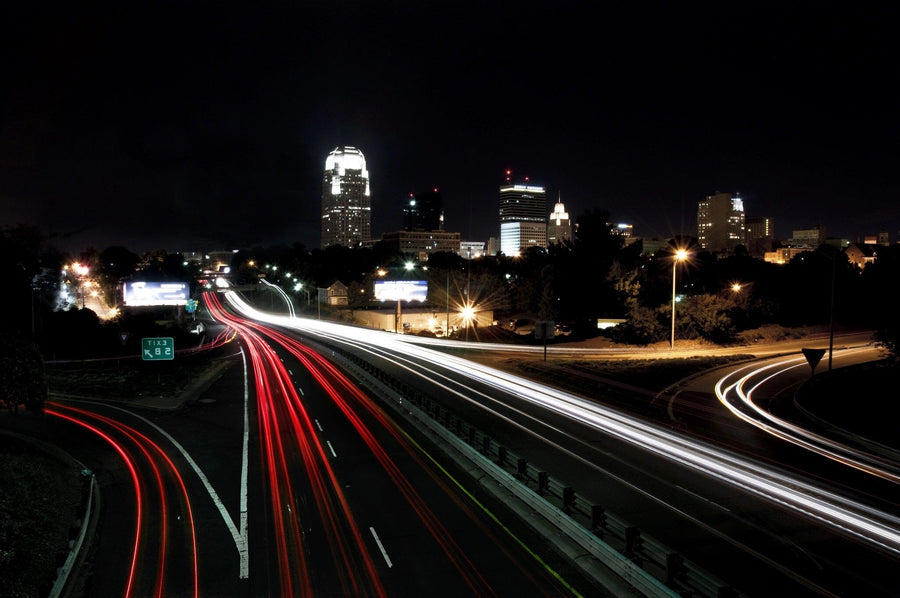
705	316
22	377
357	296
642	326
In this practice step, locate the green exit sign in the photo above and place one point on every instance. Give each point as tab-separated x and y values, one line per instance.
155	348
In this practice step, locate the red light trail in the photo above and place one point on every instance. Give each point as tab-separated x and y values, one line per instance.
142	455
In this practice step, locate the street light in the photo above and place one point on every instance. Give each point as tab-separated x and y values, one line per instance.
680	256
299	287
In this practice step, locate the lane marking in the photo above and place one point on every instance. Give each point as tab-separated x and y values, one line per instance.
703	498
384	553
331	448
318	425
240	537
244	548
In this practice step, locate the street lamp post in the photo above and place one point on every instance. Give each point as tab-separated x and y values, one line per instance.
447	292
680	256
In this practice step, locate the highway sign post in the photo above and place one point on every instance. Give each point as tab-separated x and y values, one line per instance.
157	348
813	356
544	329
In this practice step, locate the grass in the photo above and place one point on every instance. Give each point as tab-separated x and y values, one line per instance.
857	399
40	499
126	379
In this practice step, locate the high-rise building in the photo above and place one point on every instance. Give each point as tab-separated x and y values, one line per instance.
720	222
760	235
809	237
346	199
424	211
523	220
559	227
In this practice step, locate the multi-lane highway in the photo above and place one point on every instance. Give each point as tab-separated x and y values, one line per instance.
306	470
758	514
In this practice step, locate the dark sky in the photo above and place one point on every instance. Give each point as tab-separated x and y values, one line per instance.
194	125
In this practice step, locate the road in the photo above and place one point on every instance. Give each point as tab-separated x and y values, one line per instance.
288	477
284	478
768	517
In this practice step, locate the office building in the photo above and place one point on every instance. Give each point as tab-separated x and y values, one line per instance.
720	222
424	211
760	236
809	237
419	243
559	226
346	199
523	220
471	249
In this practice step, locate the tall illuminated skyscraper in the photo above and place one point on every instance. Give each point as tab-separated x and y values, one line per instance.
559	227
523	217
346	200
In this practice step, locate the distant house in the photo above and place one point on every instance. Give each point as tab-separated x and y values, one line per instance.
861	254
337	294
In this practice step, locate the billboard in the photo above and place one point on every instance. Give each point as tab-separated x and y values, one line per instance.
138	293
401	290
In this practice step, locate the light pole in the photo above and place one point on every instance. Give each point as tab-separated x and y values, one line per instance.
680	256
447	292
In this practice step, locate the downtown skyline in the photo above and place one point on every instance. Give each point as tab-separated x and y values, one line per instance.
206	126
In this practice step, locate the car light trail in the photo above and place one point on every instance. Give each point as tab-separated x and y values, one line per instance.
348	397
756	376
151	454
286	430
867	524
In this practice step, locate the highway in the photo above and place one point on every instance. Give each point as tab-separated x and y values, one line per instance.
753	513
286	479
334	460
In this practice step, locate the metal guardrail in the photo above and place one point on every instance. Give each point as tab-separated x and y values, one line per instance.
644	564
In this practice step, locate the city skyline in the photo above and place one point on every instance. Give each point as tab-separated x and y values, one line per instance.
204	126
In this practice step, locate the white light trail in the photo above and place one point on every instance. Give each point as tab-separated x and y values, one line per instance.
755	376
838	512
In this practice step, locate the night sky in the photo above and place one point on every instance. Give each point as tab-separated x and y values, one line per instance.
197	126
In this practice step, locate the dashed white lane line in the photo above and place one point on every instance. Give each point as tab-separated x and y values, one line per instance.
384	553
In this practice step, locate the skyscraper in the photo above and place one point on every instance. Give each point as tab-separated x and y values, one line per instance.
346	200
720	222
559	227
424	211
523	220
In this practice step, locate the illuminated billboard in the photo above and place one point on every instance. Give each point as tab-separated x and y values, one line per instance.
401	290
138	293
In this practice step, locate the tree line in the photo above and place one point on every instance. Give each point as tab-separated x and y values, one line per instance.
597	275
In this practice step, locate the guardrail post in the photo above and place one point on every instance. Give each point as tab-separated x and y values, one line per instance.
568	499
598	519
471	435
486	445
675	569
543	482
501	456
633	543
522	469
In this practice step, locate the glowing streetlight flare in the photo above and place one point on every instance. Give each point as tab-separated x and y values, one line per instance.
468	314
